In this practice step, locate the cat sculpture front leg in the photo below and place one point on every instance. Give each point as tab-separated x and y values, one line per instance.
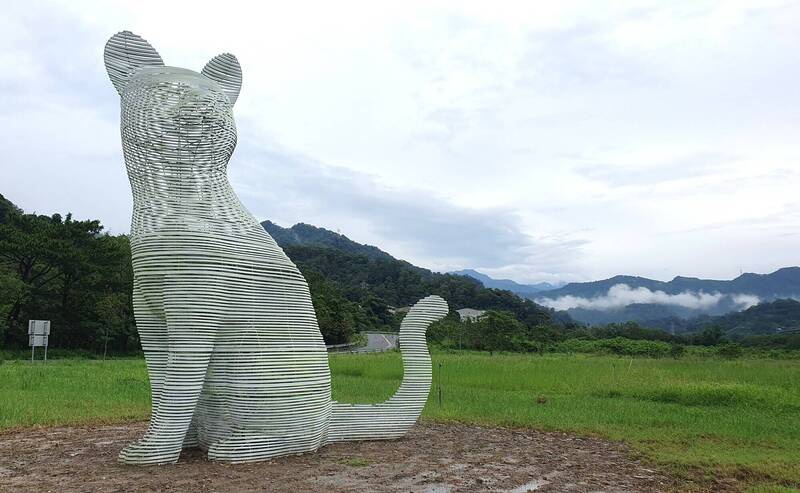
190	331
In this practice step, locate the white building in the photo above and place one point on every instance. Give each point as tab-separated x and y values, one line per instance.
470	314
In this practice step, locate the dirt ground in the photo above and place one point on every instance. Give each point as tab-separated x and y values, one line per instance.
433	458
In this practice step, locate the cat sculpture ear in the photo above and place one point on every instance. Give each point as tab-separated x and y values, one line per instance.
125	52
224	69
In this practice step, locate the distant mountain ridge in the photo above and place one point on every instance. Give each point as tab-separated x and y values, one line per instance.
781	316
507	284
355	267
783	283
581	299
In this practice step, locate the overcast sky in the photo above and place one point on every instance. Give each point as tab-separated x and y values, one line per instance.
538	141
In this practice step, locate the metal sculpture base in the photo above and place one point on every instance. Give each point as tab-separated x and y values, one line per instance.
236	362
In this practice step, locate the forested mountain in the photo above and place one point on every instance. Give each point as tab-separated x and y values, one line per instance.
372	278
768	318
507	284
646	314
765	318
394	283
307	235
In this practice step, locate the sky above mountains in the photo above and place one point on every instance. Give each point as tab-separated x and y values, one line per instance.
530	141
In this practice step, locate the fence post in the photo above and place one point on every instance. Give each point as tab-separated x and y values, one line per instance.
439	385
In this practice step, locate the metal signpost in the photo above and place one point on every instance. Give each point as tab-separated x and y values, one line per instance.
38	333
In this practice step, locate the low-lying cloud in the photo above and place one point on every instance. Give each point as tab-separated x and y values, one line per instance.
622	295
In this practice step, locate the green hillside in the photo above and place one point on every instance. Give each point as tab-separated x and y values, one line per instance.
376	281
770	318
395	283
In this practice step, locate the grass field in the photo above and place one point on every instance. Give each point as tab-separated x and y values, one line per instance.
695	416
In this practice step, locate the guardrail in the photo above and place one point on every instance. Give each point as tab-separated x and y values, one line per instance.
352	348
336	348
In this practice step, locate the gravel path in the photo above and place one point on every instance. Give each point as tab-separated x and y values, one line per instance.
434	458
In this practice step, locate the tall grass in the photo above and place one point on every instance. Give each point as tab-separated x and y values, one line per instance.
733	417
738	417
73	391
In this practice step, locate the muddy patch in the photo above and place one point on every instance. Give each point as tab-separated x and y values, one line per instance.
433	458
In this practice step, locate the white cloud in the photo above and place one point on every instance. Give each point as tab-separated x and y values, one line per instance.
574	140
745	301
621	295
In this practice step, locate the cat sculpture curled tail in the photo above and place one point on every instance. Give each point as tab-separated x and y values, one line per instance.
236	361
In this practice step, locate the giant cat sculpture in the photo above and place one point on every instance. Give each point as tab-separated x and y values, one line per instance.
236	360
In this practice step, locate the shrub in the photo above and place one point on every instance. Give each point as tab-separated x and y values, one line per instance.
628	347
616	345
731	350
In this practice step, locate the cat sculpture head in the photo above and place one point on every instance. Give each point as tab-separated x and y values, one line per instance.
172	118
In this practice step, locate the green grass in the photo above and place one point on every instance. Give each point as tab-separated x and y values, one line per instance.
73	391
771	488
697	416
737	418
355	462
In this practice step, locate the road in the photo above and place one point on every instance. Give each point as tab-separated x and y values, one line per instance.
377	341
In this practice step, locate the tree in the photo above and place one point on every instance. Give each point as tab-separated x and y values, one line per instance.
711	336
730	350
28	248
12	291
61	269
336	316
112	314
